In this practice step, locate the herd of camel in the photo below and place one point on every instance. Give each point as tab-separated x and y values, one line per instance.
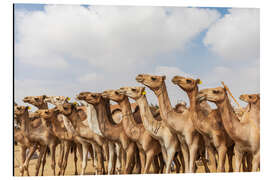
132	138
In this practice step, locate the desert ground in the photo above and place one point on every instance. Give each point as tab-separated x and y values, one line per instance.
70	165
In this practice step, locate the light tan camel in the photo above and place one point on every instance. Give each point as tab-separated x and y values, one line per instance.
110	130
83	134
208	124
91	116
158	130
179	123
66	145
39	135
37	101
246	135
148	146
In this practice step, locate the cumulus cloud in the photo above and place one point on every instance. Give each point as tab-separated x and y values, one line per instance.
105	36
236	36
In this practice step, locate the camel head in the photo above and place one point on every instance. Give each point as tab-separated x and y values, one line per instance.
66	108
133	92
181	107
153	82
250	98
20	110
187	84
91	98
56	100
35	100
113	95
46	113
212	94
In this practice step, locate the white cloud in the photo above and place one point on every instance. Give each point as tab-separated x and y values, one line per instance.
90	77
105	36
236	36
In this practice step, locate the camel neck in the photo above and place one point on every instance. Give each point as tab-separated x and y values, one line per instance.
148	120
164	101
25	122
192	99
230	121
129	124
109	130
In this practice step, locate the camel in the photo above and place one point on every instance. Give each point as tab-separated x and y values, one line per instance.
82	134
66	145
179	123
112	131
207	124
148	146
245	134
39	135
157	129
181	107
91	117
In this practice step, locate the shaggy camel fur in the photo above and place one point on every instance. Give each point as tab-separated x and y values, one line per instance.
158	130
40	135
83	134
209	125
148	146
246	135
179	123
109	129
66	145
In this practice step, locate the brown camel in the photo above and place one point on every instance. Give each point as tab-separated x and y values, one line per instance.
39	135
148	146
246	135
208	124
110	130
157	129
179	123
66	146
83	134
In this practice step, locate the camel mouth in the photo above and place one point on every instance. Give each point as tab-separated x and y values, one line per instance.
176	81
200	97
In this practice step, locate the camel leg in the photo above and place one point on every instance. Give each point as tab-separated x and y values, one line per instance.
185	152
161	162
61	156
221	157
249	159
42	151
106	151
130	157
170	155
155	165
204	161
256	161
230	157
119	158
213	157
137	162
91	152
100	160
143	160
32	150
23	156
149	159
64	164
181	157
84	161
44	161
177	164
53	148
238	160
111	163
75	159
193	154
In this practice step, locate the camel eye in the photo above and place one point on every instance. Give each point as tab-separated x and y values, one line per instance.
36	99
117	93
189	81
250	97
94	96
153	78
134	90
215	91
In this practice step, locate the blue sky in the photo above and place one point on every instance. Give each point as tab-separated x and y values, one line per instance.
63	50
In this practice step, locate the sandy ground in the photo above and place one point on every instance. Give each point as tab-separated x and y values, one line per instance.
70	167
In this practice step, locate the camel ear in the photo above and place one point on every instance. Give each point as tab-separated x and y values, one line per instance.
198	81
44	96
163	78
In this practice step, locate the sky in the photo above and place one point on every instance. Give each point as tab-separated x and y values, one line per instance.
67	49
